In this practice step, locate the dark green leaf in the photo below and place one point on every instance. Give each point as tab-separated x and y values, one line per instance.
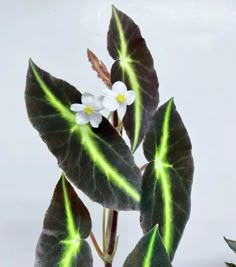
134	66
231	244
149	252
230	264
96	160
66	224
167	180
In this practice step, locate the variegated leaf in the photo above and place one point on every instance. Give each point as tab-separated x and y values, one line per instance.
96	160
167	180
67	223
134	66
149	252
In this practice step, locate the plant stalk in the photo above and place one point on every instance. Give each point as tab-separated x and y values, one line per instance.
113	215
115	119
112	242
143	167
95	243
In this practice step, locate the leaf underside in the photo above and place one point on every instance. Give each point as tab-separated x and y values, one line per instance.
97	161
100	68
134	66
167	180
149	252
66	224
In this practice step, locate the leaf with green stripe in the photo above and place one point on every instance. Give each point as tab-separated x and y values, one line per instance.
66	224
134	66
167	180
149	252
96	160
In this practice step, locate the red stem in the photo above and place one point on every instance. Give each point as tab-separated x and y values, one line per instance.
108	264
114	222
143	167
112	240
115	119
95	243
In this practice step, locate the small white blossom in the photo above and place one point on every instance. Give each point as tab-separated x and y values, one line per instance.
118	98
88	110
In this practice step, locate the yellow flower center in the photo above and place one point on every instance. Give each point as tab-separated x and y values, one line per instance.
121	98
88	110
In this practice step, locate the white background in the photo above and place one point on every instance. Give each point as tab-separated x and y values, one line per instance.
193	44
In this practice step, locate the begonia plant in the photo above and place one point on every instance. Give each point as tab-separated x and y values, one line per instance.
91	151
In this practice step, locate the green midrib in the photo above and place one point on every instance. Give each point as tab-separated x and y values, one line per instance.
73	241
148	258
89	144
127	67
162	175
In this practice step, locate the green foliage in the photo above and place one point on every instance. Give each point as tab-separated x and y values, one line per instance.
149	252
167	180
99	162
67	223
134	66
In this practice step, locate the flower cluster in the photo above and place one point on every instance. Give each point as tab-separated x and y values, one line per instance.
118	98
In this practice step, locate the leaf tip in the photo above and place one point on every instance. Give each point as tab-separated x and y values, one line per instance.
31	63
114	9
171	103
90	54
171	99
62	176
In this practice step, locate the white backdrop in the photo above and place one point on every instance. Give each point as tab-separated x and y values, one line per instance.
193	45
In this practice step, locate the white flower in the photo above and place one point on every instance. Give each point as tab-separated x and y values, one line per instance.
88	111
118	98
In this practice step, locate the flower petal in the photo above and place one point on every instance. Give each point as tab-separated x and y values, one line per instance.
87	99
108	92
121	111
95	119
130	97
110	103
81	118
77	107
97	104
119	87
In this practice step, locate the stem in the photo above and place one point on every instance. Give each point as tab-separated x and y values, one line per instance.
109	116
115	119
111	245
95	243
143	167
104	230
112	219
113	238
